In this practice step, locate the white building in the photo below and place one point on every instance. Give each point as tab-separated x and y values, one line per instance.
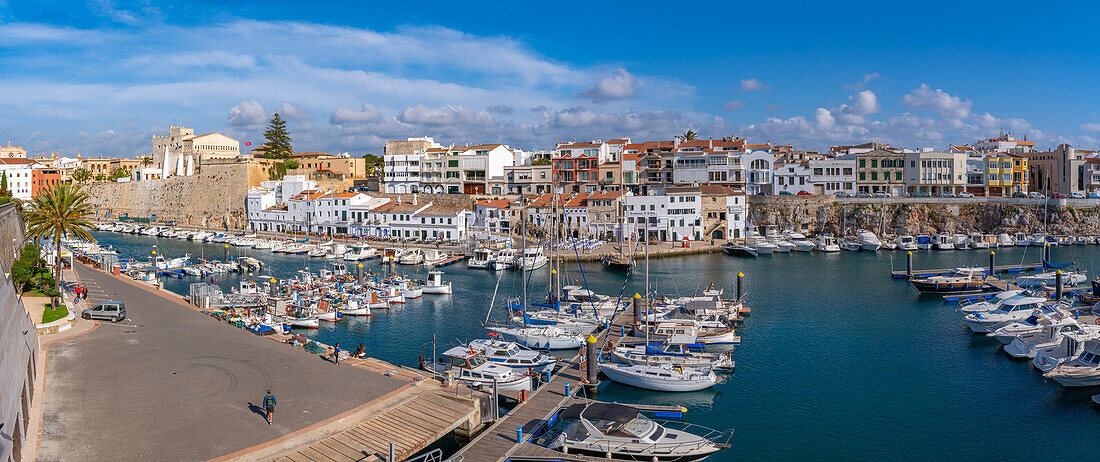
463	169
20	173
493	216
675	216
708	161
12	152
833	175
792	178
758	167
401	173
935	172
181	152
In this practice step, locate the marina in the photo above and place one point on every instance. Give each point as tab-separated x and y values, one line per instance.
399	335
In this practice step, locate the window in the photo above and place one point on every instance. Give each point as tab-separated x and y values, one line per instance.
897	176
862	176
874	163
452	163
874	175
862	163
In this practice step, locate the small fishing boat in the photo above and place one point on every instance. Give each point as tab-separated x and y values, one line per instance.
617	262
906	242
355	307
483	258
965	279
435	284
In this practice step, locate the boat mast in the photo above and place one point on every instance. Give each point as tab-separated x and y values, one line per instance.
522	253
646	318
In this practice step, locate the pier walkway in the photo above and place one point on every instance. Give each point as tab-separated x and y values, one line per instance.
173	383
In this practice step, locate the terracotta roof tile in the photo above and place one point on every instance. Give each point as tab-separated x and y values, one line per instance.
496	204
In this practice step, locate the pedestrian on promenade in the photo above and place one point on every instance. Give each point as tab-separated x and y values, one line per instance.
336	354
269	406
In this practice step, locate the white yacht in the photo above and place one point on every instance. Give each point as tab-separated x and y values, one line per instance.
1071	346
620	432
675	355
990	304
1050	332
943	241
532	259
1083	371
906	242
1050	279
435	284
660	377
763	247
782	245
1021	239
868	240
337	251
512	355
469	366
961	241
801	243
541	337
434	257
826	243
504	260
357	252
1012	310
483	258
411	257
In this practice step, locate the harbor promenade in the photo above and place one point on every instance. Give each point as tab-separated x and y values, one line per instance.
172	383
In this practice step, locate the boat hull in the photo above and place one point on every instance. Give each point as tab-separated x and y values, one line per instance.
626	374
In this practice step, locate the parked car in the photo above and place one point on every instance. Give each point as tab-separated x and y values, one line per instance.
804	193
1093	195
1036	195
1057	196
920	194
883	194
785	193
1076	195
863	194
947	194
966	195
1019	195
112	311
842	194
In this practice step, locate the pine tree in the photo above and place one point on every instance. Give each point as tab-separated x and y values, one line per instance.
4	185
277	145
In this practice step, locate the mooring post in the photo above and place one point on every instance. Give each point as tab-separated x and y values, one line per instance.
992	263
909	265
393	453
592	362
496	401
1058	282
359	276
638	309
740	276
225	253
519	434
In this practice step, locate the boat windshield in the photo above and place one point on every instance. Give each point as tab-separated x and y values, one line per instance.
1090	358
476	360
635	428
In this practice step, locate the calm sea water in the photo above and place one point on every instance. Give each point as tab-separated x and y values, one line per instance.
837	359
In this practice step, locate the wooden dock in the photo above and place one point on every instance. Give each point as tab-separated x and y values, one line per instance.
943	271
498	441
450	261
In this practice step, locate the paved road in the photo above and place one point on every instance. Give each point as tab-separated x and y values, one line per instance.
174	384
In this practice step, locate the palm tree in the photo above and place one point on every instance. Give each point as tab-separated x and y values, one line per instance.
147	161
59	212
689	135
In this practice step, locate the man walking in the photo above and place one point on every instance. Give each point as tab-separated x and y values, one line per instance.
269	406
336	353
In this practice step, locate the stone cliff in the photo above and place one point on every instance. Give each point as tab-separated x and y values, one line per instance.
825	214
213	198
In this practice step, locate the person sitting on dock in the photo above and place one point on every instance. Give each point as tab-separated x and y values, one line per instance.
361	352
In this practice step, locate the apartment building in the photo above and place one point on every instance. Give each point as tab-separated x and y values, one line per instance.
576	166
655	164
833	175
528	179
605	218
1003	174
759	165
19	172
709	161
1063	170
935	172
792	178
493	216
463	169
622	174
880	170
401	164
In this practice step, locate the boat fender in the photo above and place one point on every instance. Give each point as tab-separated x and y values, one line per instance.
1096	321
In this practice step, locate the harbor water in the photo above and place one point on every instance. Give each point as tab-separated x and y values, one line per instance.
837	359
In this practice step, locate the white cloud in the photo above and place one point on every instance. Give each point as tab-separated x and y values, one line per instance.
367	114
924	97
753	85
733	105
448	115
502	109
824	119
293	112
618	86
867	78
1091	126
248	115
864	103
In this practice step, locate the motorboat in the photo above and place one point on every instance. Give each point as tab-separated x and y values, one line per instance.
504	260
1071	345
433	257
943	241
337	252
826	243
688	332
851	244
356	253
355	307
1005	240
1006	334
763	247
783	245
961	241
924	241
906	242
1050	279
868	240
964	279
411	257
532	259
1050	332
483	258
1083	371
1012	310
470	367
990	304
978	241
1021	239
435	284
738	250
512	355
620	432
801	242
660	377
305	322
888	243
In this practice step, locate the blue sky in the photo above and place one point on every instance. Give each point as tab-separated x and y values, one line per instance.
101	77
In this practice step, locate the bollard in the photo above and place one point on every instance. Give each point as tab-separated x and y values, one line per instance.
909	265
592	362
567	389
519	434
638	311
1058	282
992	263
360	275
393	453
1046	252
225	254
740	276
274	286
